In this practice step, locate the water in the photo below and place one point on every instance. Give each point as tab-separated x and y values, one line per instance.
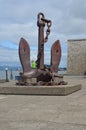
3	74
16	73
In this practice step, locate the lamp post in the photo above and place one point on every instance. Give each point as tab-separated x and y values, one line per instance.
6	70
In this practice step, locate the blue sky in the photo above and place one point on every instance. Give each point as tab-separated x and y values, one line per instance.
19	19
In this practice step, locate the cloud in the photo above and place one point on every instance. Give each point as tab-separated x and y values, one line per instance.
9	45
8	55
78	9
19	19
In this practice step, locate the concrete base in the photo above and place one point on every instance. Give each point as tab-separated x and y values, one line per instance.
59	90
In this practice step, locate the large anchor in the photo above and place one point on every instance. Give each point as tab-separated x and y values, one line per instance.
44	75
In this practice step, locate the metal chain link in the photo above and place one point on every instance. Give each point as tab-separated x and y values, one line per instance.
47	30
42	20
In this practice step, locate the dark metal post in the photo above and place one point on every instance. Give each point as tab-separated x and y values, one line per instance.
41	21
6	70
11	75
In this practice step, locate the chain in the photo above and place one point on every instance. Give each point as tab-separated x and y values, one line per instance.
47	30
43	21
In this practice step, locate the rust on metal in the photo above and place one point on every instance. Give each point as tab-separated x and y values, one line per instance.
55	56
24	55
44	75
41	22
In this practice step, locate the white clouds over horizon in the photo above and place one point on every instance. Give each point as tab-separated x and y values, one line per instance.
19	19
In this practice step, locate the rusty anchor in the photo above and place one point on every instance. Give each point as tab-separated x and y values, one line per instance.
44	75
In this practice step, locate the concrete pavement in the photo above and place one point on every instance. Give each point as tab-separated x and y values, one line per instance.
19	112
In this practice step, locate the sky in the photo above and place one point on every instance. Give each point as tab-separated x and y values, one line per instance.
18	18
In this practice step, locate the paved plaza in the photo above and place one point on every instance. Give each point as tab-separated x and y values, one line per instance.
34	112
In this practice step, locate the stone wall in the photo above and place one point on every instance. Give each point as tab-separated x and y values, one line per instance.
76	59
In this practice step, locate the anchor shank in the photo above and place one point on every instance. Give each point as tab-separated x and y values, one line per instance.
41	46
